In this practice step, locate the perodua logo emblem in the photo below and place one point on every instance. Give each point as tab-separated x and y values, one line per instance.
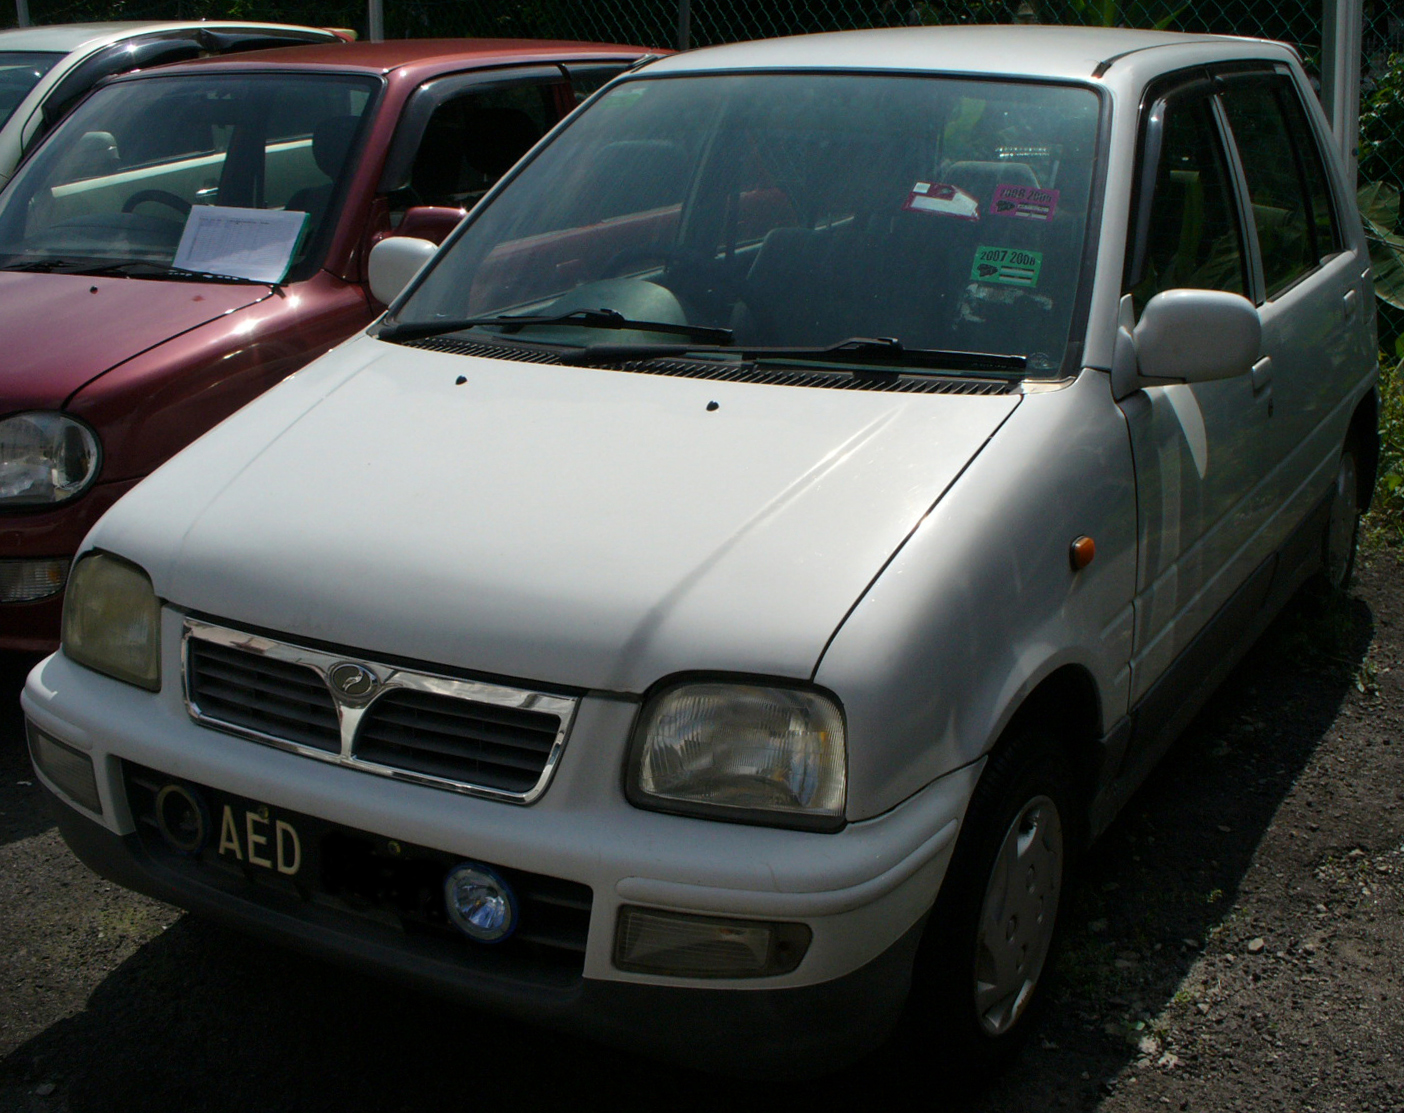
351	680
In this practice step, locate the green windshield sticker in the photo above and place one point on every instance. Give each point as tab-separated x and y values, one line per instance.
1006	266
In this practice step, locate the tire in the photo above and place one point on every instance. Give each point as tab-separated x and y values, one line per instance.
1339	543
990	939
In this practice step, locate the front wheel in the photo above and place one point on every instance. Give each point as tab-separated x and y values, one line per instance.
986	951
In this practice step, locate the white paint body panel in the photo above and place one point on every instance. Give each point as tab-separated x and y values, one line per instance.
569	526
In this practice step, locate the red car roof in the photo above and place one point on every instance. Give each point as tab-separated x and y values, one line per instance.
409	54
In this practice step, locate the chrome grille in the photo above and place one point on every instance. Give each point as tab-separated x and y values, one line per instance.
459	740
470	736
263	694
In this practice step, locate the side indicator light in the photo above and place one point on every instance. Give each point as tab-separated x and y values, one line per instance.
1081	552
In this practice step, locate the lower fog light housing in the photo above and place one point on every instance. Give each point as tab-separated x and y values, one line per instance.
652	942
480	904
28	581
69	769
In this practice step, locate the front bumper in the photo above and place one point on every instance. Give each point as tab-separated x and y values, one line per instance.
800	1030
864	892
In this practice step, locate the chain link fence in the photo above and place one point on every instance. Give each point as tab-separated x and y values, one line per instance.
658	23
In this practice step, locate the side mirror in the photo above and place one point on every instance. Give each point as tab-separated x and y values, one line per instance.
1197	336
393	262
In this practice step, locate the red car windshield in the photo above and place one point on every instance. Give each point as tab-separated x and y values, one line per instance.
117	181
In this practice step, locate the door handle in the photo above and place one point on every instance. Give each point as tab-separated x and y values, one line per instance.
1262	374
1352	303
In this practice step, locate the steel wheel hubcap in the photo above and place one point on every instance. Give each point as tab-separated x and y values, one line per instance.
1017	917
1340	533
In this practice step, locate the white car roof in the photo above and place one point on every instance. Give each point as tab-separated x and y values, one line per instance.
1030	51
66	37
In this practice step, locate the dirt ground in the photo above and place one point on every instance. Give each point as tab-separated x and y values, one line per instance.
1235	942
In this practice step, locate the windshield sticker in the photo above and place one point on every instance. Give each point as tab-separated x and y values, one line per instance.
944	200
1024	201
1006	266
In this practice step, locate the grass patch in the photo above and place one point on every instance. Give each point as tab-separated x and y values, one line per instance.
1385	522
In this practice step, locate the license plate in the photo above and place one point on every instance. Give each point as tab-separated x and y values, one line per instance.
253	835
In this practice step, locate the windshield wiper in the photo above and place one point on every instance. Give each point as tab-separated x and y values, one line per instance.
157	270
886	354
581	318
160	270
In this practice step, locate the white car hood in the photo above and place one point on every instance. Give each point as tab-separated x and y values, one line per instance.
590	528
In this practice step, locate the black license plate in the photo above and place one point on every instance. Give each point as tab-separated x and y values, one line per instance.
258	836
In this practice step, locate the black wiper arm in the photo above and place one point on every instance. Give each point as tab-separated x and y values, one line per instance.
889	350
42	266
158	270
581	318
884	351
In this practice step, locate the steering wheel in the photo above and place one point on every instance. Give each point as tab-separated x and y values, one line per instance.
158	196
702	284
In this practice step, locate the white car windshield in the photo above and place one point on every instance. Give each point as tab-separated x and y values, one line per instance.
791	211
19	73
116	182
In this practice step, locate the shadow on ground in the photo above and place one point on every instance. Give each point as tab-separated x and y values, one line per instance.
22	811
200	1018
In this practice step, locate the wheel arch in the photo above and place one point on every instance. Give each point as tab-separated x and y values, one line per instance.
1067	704
1364	432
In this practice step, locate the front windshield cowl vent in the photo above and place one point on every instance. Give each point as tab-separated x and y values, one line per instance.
748	372
519	352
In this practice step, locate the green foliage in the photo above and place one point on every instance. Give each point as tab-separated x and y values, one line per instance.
1379	212
1136	13
1386	521
1382	127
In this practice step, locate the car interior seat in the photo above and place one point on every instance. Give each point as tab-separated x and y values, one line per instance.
331	143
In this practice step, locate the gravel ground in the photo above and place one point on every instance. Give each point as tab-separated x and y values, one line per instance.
1234	943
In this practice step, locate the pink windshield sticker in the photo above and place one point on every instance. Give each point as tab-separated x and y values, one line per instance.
944	200
1028	202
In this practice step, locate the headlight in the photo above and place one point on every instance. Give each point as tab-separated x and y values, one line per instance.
112	620
749	754
45	457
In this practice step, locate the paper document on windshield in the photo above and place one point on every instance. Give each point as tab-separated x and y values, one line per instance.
257	244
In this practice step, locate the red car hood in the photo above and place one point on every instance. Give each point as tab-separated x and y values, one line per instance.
60	331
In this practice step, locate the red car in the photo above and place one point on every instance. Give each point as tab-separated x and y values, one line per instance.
126	332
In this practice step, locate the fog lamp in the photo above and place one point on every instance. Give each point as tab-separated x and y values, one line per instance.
480	904
653	942
24	581
70	770
182	818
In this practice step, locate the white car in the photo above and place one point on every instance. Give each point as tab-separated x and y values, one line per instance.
769	539
44	71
